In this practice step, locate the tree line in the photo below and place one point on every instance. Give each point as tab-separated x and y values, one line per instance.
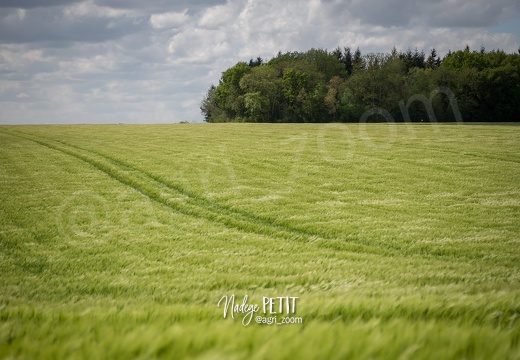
346	86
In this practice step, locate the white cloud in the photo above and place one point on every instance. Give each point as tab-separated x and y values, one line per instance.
21	59
9	87
169	19
196	46
89	8
15	16
98	64
219	15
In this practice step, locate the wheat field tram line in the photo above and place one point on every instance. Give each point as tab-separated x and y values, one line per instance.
180	200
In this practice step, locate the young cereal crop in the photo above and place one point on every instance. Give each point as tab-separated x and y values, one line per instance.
337	241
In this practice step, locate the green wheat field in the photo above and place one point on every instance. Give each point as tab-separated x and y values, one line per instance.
400	241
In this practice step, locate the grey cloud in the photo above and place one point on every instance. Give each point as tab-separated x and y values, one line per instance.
160	5
50	24
110	61
45	21
30	4
155	5
383	13
478	13
434	13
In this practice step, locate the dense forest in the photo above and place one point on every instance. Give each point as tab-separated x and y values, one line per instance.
347	86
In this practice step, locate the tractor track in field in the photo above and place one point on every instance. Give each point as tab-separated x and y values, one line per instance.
184	202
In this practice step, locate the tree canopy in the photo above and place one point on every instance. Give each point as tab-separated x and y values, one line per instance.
343	85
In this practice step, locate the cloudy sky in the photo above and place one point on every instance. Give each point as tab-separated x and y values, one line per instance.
133	61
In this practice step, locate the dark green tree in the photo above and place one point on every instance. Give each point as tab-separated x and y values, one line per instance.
357	61
348	61
229	96
263	93
209	107
254	63
317	86
433	61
